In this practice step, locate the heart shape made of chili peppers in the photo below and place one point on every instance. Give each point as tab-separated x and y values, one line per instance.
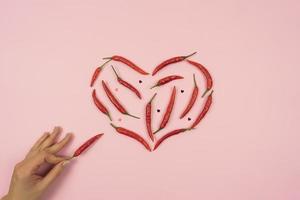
148	106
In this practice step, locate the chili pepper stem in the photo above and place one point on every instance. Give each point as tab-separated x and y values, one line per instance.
157	131
108	115
107	58
114	126
152	97
207	90
195	83
187	129
187	56
115	71
132	116
102	66
153	86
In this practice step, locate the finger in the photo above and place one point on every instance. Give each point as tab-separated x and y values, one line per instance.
33	164
52	159
40	141
60	145
53	174
50	140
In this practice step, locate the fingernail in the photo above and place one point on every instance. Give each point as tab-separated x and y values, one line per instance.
66	162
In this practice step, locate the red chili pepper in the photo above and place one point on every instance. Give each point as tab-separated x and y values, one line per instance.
192	99
97	73
204	111
209	81
166	80
168	110
133	135
114	101
148	118
127	85
99	105
172	133
171	61
86	145
128	63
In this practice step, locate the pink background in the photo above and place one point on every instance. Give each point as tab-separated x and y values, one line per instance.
247	147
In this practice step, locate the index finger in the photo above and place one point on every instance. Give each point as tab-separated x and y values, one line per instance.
32	164
40	141
60	145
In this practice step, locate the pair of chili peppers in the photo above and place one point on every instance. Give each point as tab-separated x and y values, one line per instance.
168	111
118	59
115	102
209	81
171	61
100	105
128	63
192	100
86	145
166	80
127	85
133	135
148	117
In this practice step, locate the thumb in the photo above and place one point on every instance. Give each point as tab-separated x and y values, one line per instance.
54	173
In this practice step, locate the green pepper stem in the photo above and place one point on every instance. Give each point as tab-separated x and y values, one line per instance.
152	97
156	131
205	93
114	126
102	66
115	71
195	83
187	56
132	116
153	86
108	115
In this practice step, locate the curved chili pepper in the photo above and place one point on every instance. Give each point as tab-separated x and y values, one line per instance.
148	118
100	105
127	85
128	63
209	81
171	61
97	73
86	145
166	80
168	112
172	133
203	112
133	135
192	99
114	101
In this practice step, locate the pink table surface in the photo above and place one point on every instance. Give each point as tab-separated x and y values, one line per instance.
248	146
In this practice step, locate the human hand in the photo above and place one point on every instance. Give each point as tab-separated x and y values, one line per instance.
27	182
